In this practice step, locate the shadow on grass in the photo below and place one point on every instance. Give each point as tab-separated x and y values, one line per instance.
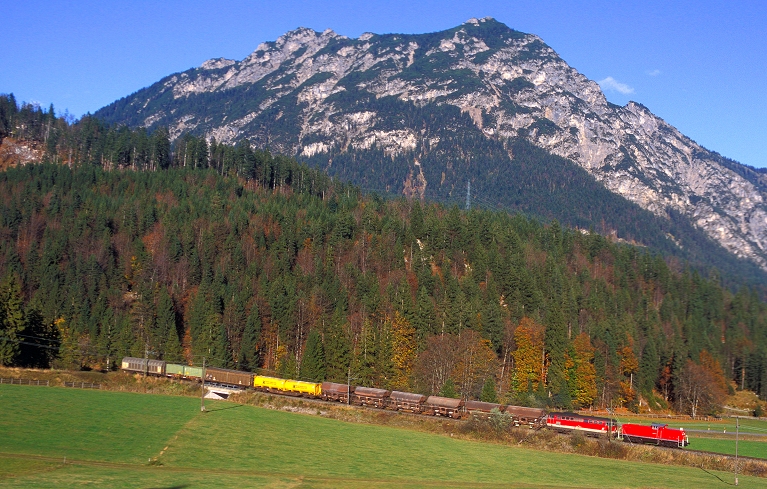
182	486
221	409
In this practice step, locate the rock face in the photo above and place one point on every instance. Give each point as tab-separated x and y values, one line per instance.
320	95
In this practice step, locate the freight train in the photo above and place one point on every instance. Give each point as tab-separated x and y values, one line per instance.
563	422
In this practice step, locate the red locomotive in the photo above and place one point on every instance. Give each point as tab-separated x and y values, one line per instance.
589	425
655	434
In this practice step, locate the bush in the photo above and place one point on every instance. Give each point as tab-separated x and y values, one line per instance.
498	421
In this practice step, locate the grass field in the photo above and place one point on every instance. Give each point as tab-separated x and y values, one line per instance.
719	436
747	425
113	439
746	448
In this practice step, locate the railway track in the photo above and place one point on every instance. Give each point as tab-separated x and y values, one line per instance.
321	402
456	421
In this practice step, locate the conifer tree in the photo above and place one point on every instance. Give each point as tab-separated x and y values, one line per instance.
556	345
488	391
165	324
11	320
448	390
173	351
313	361
648	368
248	352
338	349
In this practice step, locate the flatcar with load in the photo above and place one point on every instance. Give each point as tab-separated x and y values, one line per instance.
332	391
406	401
368	396
532	417
480	409
443	406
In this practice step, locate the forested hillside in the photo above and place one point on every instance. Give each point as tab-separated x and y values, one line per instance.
255	261
479	103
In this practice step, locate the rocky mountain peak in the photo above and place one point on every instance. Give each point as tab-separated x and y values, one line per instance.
409	97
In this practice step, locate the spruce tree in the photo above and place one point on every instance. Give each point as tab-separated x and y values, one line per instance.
11	320
488	391
313	361
247	359
173	350
338	352
449	390
165	323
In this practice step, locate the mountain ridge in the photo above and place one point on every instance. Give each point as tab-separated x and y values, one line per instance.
318	95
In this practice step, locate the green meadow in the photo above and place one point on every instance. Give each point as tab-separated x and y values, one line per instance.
56	437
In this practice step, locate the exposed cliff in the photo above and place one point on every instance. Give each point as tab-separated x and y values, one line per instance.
413	98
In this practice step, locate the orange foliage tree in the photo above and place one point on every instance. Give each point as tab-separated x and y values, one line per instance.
701	386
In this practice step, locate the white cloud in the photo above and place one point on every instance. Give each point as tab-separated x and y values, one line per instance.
614	85
655	72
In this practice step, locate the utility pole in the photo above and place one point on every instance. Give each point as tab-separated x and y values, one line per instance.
202	394
737	429
146	358
349	379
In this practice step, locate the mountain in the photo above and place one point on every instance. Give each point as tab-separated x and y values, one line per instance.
480	103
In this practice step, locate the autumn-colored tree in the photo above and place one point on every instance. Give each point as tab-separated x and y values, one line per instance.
435	364
582	376
698	390
628	367
403	339
529	366
476	361
714	368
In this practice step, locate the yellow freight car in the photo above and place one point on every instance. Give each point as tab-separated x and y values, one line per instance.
268	384
298	387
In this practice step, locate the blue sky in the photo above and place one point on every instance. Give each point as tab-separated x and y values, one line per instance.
700	65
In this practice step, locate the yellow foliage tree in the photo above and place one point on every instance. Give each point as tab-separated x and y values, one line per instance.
629	365
529	364
582	373
403	351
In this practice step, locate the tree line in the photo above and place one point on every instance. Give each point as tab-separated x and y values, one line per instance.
277	268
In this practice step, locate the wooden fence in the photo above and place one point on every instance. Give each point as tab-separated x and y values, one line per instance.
24	381
82	385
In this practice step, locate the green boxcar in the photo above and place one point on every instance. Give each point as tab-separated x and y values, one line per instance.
174	370
192	372
183	371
